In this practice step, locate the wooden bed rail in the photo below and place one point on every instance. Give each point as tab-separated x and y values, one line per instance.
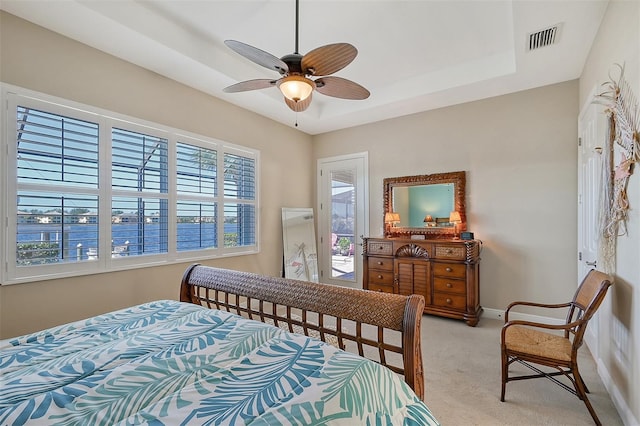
380	326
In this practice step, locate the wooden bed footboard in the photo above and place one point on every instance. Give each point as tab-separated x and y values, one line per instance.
380	326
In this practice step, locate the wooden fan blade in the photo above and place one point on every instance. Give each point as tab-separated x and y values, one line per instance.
328	59
245	86
300	105
341	88
258	56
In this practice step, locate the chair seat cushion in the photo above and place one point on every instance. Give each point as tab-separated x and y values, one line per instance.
538	343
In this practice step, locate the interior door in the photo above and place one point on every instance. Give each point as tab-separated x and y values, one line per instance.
343	217
592	141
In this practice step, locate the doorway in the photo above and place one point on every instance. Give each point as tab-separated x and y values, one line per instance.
591	143
343	217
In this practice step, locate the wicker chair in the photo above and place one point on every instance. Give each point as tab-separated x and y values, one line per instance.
524	342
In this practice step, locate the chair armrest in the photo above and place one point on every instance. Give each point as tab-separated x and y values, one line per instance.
537	305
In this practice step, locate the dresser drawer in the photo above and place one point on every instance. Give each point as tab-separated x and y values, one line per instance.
380	277
453	270
447	300
454	252
384	248
449	285
381	287
380	263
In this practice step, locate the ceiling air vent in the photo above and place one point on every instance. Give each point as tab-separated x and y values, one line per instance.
545	37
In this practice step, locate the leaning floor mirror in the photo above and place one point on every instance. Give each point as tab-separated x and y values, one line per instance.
299	241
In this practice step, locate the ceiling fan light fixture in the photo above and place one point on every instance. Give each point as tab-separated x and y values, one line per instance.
295	69
296	87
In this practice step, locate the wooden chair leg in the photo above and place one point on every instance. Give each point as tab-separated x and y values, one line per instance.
505	373
582	394
584	385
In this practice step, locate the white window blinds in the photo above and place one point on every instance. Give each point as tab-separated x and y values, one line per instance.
95	193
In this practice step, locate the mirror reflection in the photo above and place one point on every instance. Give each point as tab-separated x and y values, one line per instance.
424	205
299	243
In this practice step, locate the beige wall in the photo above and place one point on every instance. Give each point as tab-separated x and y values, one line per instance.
618	42
37	59
520	155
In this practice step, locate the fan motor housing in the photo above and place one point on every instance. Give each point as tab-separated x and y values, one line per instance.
294	62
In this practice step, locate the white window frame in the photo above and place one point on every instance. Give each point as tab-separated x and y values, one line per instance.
12	96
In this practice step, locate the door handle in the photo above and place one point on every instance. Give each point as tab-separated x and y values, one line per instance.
591	263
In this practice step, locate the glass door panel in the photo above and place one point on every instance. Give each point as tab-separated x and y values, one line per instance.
343	203
342	218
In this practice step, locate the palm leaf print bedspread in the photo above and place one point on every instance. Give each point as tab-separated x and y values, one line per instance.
173	363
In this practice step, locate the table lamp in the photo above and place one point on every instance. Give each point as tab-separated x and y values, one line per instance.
454	217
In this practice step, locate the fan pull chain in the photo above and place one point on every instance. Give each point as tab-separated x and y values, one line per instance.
296	119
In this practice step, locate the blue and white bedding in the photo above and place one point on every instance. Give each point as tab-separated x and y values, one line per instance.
173	363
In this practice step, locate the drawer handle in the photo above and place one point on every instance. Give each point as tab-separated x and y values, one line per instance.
449	251
379	263
381	248
379	277
449	301
449	285
448	269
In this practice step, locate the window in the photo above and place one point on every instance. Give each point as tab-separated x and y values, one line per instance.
196	197
91	193
239	184
140	188
57	157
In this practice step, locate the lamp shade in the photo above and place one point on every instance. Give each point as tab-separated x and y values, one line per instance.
296	87
454	217
391	217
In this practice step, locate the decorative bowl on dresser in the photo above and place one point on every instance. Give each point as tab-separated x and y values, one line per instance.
445	272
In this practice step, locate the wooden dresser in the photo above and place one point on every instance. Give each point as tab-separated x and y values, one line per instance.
445	272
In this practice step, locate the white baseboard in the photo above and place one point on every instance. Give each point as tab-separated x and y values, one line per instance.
499	314
628	419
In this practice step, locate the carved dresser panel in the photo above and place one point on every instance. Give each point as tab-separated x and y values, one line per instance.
445	272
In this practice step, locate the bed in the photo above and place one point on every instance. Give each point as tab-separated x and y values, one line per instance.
239	348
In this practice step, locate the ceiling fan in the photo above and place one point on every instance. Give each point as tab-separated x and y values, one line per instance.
297	71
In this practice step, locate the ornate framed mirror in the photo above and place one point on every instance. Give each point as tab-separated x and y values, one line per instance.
425	205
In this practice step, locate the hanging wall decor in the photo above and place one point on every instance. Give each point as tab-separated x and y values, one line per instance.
623	137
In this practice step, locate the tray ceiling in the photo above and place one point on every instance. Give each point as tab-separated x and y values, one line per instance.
412	55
